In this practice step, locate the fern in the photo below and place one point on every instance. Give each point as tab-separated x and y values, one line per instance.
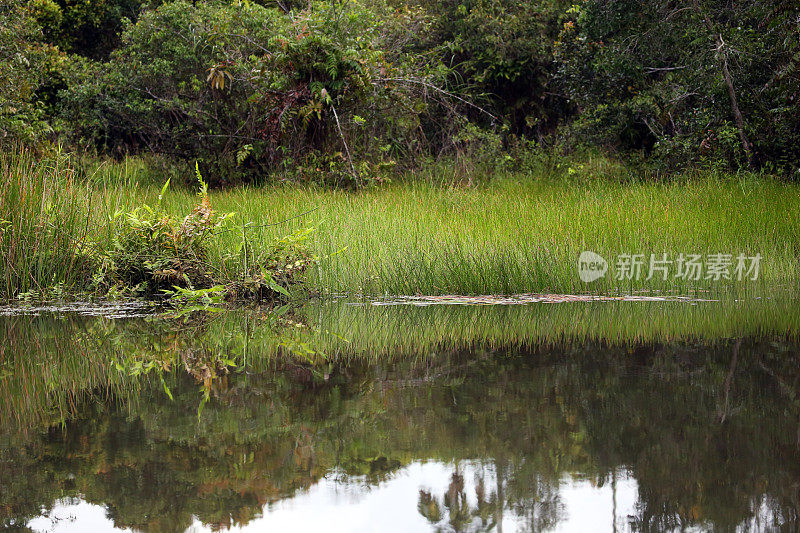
332	66
203	192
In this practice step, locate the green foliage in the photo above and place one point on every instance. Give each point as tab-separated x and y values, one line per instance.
271	272
153	251
192	300
649	75
26	67
346	93
43	224
245	89
502	54
90	28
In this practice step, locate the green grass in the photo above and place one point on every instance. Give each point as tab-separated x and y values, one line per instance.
518	235
44	215
513	234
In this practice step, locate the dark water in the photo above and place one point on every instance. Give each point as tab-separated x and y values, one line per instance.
365	419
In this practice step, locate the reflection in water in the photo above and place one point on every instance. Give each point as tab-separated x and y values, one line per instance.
234	422
392	506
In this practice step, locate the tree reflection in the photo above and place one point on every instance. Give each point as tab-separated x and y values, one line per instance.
461	515
708	430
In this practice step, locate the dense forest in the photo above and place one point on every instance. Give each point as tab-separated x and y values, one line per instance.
347	92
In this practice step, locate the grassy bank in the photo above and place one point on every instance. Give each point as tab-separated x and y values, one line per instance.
511	234
517	235
45	214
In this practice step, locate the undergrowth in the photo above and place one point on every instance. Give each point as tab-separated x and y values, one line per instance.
44	221
425	233
155	253
55	244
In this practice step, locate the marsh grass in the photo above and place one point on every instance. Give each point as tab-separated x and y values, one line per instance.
518	235
44	218
428	233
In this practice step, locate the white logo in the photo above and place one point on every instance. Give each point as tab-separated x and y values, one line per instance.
591	267
693	267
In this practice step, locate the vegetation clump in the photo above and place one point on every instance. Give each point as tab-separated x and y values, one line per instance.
155	254
54	242
43	223
271	272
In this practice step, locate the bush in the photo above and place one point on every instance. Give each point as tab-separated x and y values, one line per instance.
502	53
248	90
647	76
26	68
155	254
90	29
152	251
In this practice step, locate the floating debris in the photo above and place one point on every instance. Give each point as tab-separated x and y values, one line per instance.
524	299
105	309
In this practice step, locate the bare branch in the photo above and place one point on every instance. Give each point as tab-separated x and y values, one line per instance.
439	90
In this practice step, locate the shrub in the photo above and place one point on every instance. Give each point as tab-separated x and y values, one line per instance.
26	67
502	52
647	76
269	273
152	251
248	90
90	29
155	254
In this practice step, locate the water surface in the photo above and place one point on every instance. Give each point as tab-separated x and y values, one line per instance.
577	416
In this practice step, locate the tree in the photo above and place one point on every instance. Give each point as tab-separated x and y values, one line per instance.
706	82
25	68
502	54
248	90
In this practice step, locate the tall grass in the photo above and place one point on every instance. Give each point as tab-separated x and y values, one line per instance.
44	216
522	235
514	234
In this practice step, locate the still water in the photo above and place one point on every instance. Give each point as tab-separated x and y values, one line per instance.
583	416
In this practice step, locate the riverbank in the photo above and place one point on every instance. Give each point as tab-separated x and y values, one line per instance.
516	233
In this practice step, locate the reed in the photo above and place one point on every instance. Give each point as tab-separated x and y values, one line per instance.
44	220
518	234
509	234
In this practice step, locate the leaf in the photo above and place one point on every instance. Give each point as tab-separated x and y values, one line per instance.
166	388
277	288
163	191
203	185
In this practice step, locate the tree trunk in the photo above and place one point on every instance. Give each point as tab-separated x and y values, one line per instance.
722	57
737	113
